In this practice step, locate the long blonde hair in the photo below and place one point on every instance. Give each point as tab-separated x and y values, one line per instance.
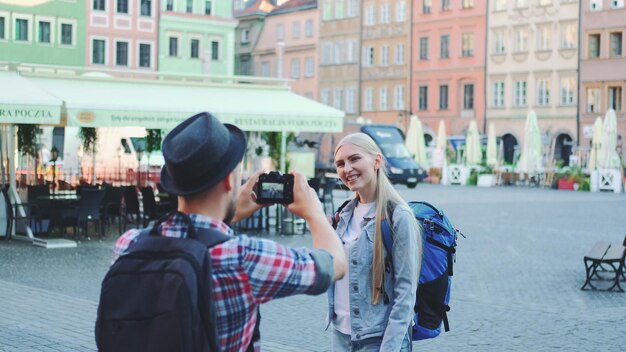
387	199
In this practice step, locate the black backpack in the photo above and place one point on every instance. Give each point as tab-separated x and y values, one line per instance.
157	296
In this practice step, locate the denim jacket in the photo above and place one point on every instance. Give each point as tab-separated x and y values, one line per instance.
392	320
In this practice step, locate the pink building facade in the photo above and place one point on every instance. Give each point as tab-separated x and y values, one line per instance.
448	64
287	46
123	36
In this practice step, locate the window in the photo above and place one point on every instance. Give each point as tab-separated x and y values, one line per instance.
567	90
338	51
352	51
468	4
593	99
521	3
44	32
339	9
467	45
2	25
146	8
265	70
328	11
383	100
616	44
617	4
443	97
280	32
399	59
21	29
499	47
325	96
308	28
444	46
594	45
498	94
384	55
169	5
543	92
98	47
521	40
122	6
519	99
569	36
173	48
351	100
194	50
353	7
499	5
426	5
189	7
215	50
295	29
468	97
67	35
370	15
245	35
615	98
208	8
423	98
399	101
385	13
144	55
369	99
309	67
400	11
121	53
327	53
445	5
424	48
543	37
369	56
338	99
595	5
295	68
99	5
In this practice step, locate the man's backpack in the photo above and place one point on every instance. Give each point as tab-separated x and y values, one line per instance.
438	251
157	296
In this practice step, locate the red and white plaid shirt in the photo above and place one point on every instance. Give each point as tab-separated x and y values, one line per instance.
246	273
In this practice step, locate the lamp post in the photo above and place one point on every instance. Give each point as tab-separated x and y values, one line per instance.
120	151
54	155
139	156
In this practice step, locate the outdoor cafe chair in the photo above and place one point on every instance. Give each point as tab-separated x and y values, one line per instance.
113	205
88	209
151	209
131	205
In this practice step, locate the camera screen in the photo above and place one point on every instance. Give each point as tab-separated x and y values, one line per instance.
272	190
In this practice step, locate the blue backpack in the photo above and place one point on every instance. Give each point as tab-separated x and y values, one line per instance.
438	251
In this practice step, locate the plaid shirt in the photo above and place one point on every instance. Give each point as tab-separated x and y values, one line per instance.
247	272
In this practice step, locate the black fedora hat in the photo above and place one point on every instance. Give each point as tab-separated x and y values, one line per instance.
200	152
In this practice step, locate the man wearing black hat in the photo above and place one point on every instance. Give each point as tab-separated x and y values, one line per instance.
203	168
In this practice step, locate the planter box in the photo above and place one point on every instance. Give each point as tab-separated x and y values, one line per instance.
565	184
486	180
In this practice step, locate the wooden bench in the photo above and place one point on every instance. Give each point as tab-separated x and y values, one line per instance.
605	258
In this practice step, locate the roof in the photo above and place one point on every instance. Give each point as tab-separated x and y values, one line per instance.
259	7
293	6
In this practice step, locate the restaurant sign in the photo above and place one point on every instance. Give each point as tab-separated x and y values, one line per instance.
30	114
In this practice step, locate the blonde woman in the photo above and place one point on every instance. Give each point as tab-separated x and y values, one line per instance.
371	308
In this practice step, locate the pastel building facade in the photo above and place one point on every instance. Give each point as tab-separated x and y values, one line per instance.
122	35
251	21
602	65
196	37
43	32
340	56
448	64
532	64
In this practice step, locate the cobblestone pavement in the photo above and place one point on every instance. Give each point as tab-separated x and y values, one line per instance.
516	286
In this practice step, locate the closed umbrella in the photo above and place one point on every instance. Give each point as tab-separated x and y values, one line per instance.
608	157
473	150
439	154
530	159
596	143
415	141
492	151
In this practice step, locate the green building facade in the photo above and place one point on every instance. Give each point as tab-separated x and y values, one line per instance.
196	37
43	32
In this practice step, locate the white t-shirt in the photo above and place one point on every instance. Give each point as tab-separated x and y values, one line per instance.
342	291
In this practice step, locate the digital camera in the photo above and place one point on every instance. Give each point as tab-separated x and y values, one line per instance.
275	187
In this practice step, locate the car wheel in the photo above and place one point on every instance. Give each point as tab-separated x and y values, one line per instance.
411	185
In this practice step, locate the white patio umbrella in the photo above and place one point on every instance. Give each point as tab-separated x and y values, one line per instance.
415	141
473	149
608	157
596	143
492	148
439	154
530	159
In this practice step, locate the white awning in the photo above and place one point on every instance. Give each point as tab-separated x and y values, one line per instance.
23	101
104	102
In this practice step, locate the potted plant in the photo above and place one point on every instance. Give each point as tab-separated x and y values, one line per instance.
572	178
486	177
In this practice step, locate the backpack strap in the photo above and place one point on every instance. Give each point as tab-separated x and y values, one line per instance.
335	221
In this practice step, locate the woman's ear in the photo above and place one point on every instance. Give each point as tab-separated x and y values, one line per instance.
378	162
